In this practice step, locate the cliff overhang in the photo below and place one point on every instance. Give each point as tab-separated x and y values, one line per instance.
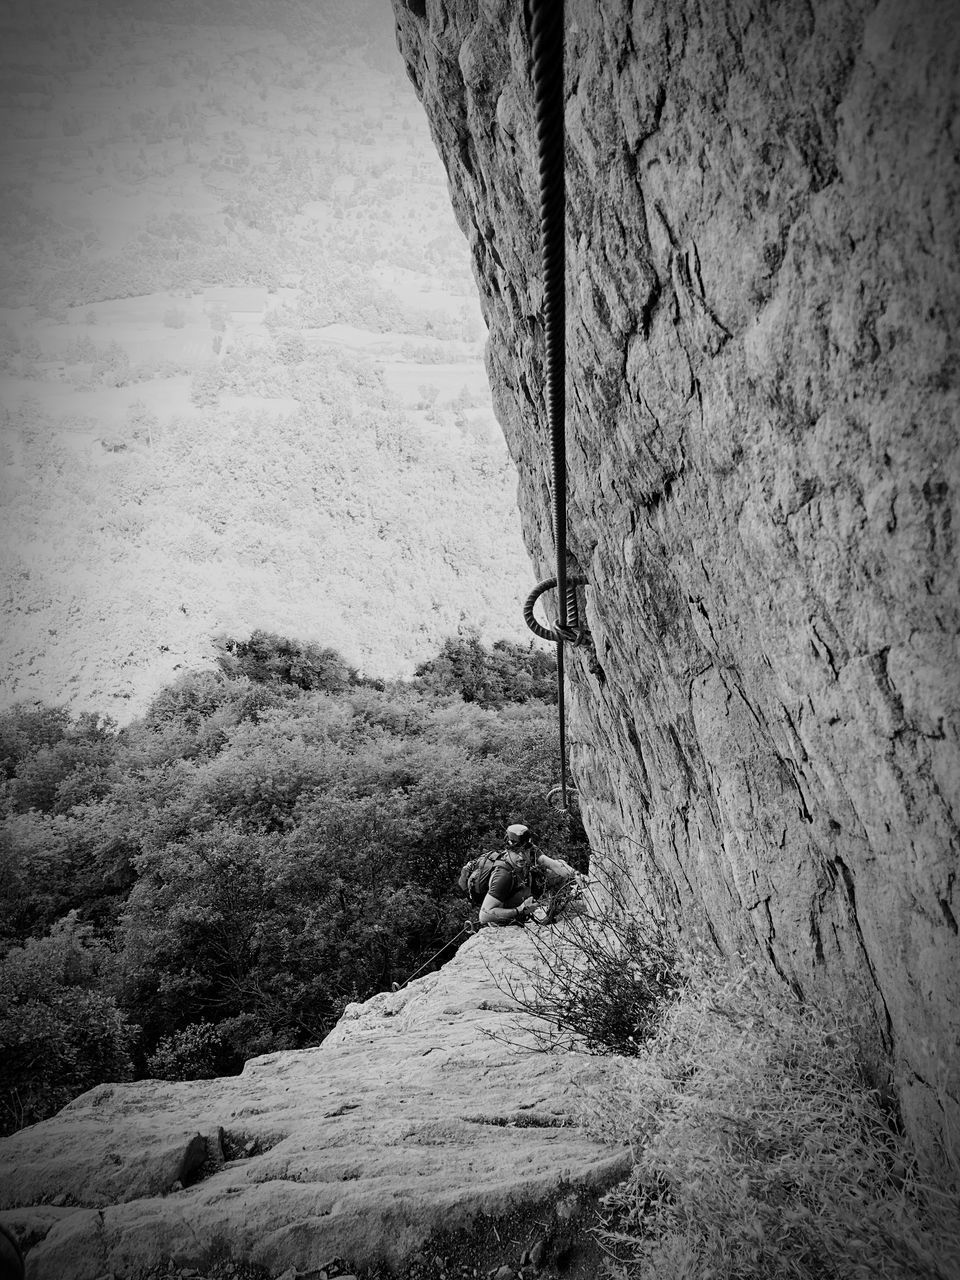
763	302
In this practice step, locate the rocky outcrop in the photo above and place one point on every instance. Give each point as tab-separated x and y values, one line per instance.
763	452
422	1114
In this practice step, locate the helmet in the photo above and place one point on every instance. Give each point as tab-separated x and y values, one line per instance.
518	834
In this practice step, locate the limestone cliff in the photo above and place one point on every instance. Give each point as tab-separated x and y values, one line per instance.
762	247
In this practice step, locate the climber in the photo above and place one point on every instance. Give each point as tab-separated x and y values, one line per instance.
510	897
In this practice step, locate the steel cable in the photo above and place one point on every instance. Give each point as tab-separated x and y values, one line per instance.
546	38
545	19
467	928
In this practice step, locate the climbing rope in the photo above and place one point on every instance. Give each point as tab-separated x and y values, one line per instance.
545	25
467	928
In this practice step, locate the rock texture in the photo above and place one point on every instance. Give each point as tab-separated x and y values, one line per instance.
408	1120
763	452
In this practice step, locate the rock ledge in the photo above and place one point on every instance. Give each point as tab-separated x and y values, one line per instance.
412	1119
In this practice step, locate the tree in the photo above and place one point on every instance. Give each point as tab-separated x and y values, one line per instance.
271	659
192	929
77	767
23	729
60	1031
491	677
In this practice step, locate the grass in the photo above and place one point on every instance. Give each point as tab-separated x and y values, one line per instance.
761	1151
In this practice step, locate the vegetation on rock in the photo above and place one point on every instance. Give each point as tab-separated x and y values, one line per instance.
762	1143
761	1149
598	986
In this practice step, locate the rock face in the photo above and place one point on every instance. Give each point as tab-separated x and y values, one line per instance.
408	1120
762	250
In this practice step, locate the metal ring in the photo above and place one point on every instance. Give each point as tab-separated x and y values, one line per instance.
570	634
556	793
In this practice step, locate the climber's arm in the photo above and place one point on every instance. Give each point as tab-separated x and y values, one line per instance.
493	911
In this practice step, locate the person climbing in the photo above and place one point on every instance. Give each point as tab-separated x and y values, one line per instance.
510	897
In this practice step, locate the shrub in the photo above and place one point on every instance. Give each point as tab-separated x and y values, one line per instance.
191	716
76	768
599	985
195	1052
271	659
204	1050
290	348
205	387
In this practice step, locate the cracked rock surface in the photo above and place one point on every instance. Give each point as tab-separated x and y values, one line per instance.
763	298
409	1119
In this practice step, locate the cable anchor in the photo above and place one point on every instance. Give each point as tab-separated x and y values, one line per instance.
574	632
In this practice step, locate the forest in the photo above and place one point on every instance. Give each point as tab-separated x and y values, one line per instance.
274	838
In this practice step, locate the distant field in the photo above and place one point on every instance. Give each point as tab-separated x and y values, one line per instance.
240	355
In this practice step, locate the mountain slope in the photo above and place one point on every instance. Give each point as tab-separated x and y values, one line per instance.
242	382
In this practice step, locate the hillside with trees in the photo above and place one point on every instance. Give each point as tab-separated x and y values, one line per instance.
271	840
240	353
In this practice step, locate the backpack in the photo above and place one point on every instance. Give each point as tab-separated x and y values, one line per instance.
475	875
